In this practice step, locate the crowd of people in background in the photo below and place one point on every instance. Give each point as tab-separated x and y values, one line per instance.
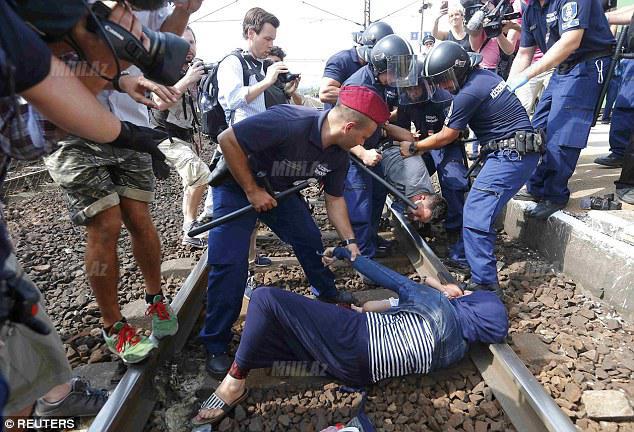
388	116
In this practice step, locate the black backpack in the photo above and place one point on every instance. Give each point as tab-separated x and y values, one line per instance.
213	117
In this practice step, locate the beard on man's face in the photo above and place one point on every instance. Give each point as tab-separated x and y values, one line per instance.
146	5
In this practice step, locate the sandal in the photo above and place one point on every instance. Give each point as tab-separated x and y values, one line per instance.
214	402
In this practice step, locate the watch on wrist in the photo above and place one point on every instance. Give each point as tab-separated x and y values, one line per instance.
412	148
115	81
347	242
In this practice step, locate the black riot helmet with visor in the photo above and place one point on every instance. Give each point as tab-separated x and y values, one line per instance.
370	37
448	65
391	48
407	76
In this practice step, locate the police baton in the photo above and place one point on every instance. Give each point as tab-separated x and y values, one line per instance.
381	180
618	54
474	165
246	209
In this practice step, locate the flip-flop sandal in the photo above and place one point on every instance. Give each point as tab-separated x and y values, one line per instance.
215	402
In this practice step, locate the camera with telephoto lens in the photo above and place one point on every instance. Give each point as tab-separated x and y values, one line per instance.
287	77
161	62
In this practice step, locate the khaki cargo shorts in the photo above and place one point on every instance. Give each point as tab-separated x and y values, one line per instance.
95	176
180	155
32	364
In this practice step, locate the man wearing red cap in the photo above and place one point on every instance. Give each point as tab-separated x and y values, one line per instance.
288	143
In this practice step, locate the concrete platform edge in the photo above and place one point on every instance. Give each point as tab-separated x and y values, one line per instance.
601	264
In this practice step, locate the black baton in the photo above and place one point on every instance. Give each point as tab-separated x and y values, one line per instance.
234	214
474	165
381	180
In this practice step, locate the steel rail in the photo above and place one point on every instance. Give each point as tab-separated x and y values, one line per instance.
522	397
129	406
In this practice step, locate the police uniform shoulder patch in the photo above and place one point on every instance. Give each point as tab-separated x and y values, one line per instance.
569	15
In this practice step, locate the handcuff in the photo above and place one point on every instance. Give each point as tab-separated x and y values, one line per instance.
412	148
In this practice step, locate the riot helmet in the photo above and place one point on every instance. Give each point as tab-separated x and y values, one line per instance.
410	82
391	47
448	65
370	36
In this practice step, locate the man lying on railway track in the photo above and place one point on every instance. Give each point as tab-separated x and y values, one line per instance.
428	328
287	143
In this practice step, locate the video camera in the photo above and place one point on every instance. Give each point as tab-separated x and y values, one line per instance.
161	62
19	299
488	16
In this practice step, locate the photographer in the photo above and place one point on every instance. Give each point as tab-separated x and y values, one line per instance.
288	89
110	187
178	119
505	40
456	32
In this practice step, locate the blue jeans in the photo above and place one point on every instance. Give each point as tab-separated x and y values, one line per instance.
453	183
365	198
423	300
228	257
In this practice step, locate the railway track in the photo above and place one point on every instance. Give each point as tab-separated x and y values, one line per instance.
523	399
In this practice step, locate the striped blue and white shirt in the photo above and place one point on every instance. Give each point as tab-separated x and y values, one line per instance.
400	344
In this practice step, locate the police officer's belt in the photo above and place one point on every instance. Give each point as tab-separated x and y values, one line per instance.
523	142
566	67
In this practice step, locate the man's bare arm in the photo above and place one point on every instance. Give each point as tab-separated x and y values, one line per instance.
329	90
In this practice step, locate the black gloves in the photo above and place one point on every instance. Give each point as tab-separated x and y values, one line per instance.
145	140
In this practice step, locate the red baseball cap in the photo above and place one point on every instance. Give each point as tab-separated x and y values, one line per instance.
365	101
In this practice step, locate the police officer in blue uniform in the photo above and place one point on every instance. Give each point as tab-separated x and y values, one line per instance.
484	103
575	37
343	64
428	116
622	117
365	196
311	144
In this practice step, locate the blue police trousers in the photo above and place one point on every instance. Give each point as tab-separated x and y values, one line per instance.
228	257
566	112
620	129
365	198
449	164
501	177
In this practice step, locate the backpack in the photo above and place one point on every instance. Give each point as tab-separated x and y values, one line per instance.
213	117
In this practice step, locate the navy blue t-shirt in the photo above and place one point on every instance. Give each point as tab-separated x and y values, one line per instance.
23	48
365	77
285	142
543	26
341	66
488	107
428	117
